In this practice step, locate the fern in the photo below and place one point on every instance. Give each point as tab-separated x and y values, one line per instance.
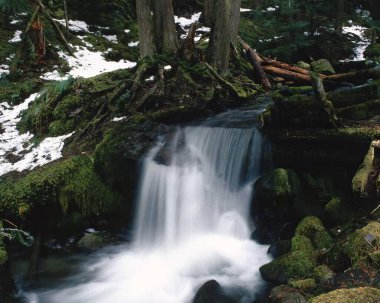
18	235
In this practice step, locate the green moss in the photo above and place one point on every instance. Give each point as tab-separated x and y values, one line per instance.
359	182
323	273
363	242
302	243
373	52
322	66
353	295
304	285
309	226
296	265
72	183
3	252
15	92
338	210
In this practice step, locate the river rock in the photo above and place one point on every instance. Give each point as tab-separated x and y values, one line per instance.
212	292
322	66
286	294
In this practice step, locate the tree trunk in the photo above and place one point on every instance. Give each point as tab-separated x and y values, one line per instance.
208	11
145	24
339	17
165	31
224	31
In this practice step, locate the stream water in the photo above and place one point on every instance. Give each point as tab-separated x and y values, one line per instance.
192	223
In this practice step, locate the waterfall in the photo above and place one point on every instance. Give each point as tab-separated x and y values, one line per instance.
192	223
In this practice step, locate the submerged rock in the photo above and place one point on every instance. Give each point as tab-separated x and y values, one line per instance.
212	292
96	240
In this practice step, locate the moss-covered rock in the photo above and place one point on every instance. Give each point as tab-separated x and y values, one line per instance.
295	265
338	211
71	184
286	294
323	273
312	228
6	281
354	295
363	242
302	243
322	66
304	285
96	240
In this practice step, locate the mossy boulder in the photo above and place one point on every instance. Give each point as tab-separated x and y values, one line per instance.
323	273
373	52
338	210
96	240
354	295
312	228
6	281
287	294
302	243
304	285
65	186
363	243
322	66
296	265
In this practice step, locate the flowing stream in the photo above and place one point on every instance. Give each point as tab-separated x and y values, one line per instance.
192	223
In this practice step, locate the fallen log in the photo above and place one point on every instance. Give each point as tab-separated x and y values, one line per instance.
357	75
292	68
286	74
254	59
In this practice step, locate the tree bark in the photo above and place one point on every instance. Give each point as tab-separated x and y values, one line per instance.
320	94
339	17
145	24
208	11
224	31
165	31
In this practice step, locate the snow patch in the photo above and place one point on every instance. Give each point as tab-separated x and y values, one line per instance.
127	31
244	10
16	37
186	22
16	151
133	44
4	69
118	119
112	38
75	25
167	67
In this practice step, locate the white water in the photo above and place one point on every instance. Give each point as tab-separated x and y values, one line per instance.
192	224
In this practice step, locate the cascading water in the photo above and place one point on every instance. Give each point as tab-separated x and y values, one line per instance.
192	223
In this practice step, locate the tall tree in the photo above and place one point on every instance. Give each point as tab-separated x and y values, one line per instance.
339	19
225	27
157	31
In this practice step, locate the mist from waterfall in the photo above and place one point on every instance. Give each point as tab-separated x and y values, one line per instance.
192	223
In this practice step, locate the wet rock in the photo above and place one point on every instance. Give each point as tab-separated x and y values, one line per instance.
279	248
313	229
286	294
354	295
212	292
305	285
96	240
323	273
322	66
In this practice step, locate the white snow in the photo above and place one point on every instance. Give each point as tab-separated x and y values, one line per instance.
127	31
151	78
204	29
54	76
117	119
133	44
15	21
243	10
186	22
364	41
167	67
112	38
25	154
4	69
16	37
75	25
